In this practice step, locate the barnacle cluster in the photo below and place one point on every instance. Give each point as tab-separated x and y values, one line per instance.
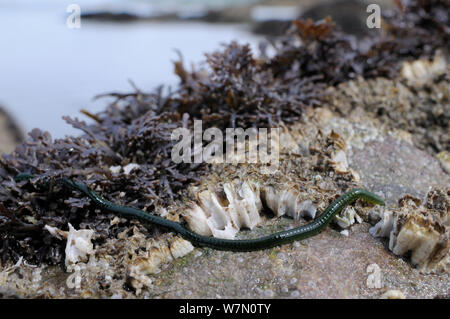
222	215
78	246
239	206
415	105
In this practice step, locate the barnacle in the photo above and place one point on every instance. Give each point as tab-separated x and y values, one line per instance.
425	238
78	246
393	294
237	89
421	70
238	207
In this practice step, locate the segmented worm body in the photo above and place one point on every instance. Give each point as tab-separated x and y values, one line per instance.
276	239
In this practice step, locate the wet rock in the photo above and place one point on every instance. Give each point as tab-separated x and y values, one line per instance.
105	16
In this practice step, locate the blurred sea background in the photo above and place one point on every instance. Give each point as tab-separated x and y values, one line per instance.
48	70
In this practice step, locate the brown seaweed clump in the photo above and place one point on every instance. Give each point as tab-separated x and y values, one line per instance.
125	154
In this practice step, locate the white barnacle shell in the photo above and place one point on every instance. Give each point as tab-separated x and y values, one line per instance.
307	208
421	70
287	203
79	245
159	252
222	215
219	220
393	294
197	219
144	266
180	247
244	204
271	198
252	204
424	237
127	169
347	217
115	169
56	232
339	162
